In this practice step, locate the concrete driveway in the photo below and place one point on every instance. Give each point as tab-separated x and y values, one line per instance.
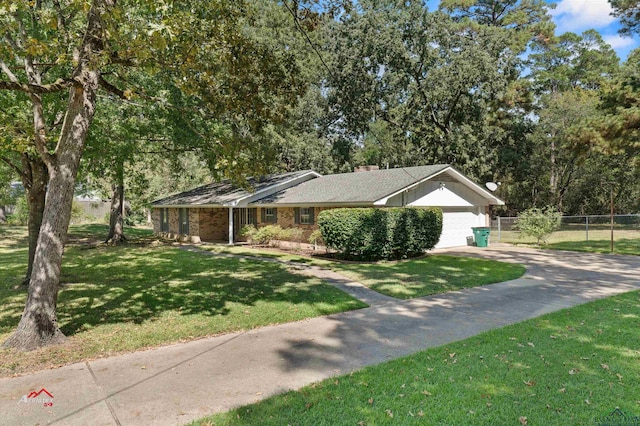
179	383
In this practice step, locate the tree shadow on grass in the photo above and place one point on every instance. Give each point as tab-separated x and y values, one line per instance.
121	285
432	275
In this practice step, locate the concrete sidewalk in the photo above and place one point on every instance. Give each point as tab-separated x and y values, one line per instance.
179	383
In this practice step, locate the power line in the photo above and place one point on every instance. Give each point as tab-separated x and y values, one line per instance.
306	36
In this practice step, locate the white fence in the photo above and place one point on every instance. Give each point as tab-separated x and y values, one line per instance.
575	228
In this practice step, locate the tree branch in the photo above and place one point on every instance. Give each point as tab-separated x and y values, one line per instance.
11	165
57	86
111	88
8	72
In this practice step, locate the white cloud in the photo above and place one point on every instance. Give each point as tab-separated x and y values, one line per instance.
581	15
618	42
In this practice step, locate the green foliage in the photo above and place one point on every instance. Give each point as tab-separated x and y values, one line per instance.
374	234
292	234
539	223
271	234
248	232
629	13
267	235
20	215
316	238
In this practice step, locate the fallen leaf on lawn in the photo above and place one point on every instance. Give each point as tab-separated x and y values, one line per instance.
531	344
605	366
529	383
523	420
512	338
553	337
421	413
619	376
489	404
426	392
573	371
389	413
563	390
370	400
587	402
452	355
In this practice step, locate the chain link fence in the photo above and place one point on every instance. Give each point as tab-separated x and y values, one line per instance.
573	228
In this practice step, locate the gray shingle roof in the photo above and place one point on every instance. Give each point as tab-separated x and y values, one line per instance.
221	193
355	188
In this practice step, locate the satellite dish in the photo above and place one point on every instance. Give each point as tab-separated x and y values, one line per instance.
492	186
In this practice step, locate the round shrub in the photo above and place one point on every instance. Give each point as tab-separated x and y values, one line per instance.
374	234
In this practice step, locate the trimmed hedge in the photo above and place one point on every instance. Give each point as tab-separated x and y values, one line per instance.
374	234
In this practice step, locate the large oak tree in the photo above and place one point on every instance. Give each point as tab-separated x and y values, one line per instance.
75	49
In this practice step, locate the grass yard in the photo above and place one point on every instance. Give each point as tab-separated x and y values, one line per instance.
120	299
566	368
267	252
429	275
624	246
570	234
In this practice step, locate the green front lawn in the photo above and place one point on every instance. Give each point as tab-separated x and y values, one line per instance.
429	275
566	368
119	299
624	246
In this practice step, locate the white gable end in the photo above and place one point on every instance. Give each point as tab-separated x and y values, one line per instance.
445	194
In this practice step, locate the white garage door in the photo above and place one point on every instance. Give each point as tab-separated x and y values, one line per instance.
456	227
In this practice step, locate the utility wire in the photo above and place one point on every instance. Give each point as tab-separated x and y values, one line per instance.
306	36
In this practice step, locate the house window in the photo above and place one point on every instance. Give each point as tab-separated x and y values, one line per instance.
183	221
164	220
304	215
269	215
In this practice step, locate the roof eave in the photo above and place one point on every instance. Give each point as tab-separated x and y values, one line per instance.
274	188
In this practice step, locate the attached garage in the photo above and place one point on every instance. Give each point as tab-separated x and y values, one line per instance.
457	224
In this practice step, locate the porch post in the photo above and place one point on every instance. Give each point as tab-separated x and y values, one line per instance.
230	226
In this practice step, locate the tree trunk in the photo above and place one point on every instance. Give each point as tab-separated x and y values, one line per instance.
34	179
39	324
116	215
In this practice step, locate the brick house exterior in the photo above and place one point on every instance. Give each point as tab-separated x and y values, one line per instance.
218	211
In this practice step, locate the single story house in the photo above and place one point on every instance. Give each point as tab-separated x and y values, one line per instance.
218	211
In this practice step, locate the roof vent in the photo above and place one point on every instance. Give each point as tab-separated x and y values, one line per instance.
365	168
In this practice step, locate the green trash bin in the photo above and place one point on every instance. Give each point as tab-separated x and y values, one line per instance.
481	235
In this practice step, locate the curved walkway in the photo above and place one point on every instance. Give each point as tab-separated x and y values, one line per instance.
179	383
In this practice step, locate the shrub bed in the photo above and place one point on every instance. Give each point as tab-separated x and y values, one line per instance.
375	234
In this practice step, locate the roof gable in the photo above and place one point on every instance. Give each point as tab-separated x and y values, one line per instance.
361	188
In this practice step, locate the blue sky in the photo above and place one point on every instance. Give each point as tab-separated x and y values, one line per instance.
580	15
577	16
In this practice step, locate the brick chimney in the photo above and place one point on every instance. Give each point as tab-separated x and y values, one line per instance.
365	168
